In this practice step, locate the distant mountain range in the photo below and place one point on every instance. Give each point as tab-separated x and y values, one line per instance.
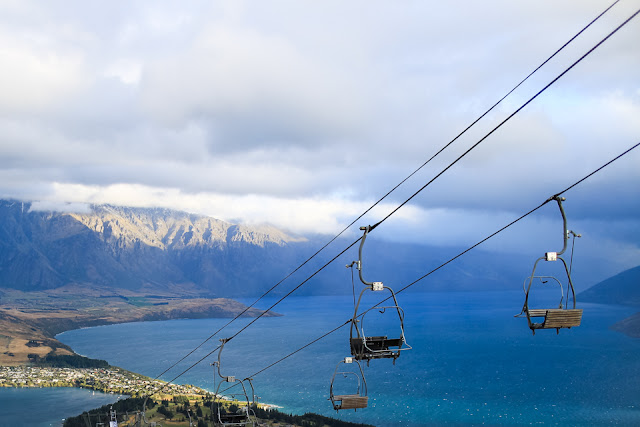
170	252
132	248
623	289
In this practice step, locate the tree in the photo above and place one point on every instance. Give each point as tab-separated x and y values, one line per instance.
180	399
164	411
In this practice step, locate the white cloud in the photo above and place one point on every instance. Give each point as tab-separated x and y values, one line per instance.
54	206
126	70
303	119
35	76
254	89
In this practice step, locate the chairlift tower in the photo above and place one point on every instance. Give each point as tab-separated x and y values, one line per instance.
113	420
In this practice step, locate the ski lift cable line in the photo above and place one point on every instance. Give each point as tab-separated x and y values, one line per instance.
624	153
237	316
485	113
460	254
436	177
508	118
439	174
392	189
257	317
457	160
296	288
168	383
296	351
267	310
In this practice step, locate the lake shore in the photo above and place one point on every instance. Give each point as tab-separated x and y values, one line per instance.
29	321
112	380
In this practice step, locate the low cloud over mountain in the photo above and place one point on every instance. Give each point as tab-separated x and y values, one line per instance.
172	252
134	249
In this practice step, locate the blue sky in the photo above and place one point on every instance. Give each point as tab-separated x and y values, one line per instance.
302	114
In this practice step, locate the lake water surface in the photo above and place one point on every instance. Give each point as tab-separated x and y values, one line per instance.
46	407
472	362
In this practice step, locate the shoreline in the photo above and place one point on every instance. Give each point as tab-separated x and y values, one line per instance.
30	321
108	380
111	379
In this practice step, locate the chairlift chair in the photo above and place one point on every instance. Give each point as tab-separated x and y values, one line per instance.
356	400
364	347
241	418
554	317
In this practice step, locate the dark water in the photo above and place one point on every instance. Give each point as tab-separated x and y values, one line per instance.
45	407
472	362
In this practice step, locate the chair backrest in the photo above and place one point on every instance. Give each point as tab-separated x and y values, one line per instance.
354	402
563	318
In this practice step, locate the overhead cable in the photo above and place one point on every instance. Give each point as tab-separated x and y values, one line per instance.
422	188
392	189
257	317
460	254
508	118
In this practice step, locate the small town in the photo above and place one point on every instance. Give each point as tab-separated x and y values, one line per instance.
109	380
173	404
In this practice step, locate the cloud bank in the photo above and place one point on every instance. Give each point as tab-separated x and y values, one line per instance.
303	115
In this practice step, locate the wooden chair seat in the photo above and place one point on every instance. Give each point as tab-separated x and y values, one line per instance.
556	318
350	401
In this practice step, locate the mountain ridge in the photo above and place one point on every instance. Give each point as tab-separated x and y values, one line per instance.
623	289
156	250
165	228
126	247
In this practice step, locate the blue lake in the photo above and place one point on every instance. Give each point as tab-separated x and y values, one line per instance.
46	407
472	362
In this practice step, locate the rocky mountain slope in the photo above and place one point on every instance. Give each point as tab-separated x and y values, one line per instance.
134	249
165	252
